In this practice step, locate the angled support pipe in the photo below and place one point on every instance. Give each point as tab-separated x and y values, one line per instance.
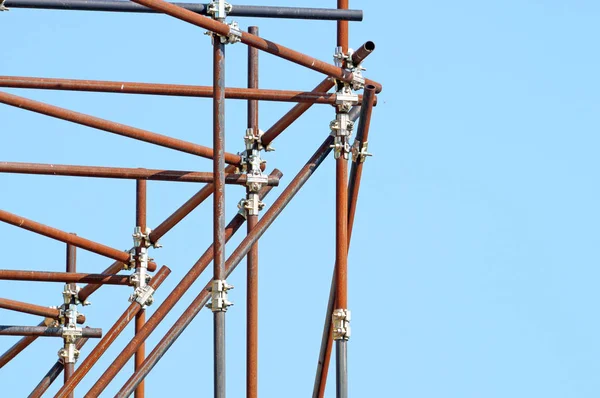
66	237
234	259
112	127
179	90
172	299
278	50
109	337
121	173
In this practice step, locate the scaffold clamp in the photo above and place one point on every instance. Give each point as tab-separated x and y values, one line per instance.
219	301
359	151
143	296
218	9
341	324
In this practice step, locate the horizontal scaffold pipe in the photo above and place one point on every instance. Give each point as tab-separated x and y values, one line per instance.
178	90
327	14
123	173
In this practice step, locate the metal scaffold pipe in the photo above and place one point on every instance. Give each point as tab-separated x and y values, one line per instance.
236	11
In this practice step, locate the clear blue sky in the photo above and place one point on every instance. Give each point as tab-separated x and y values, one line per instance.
473	266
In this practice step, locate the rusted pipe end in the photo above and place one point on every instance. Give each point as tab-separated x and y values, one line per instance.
80	318
363	52
276	173
152	266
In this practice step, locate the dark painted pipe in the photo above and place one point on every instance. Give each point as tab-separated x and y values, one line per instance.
237	11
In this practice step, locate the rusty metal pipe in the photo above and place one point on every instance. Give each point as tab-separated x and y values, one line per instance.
62	236
63	277
252	258
71	267
168	304
34	309
341	233
53	374
361	53
121	173
362	132
179	90
19	346
236	257
43	331
140	317
249	39
219	212
113	127
109	338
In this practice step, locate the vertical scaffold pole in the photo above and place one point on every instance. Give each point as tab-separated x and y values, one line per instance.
140	250
252	269
341	236
219	286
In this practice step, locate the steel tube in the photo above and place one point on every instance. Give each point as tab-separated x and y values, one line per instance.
34	309
341	232
326	339
140	317
18	347
341	360
219	212
168	304
252	258
71	267
112	127
109	337
62	236
237	11
121	173
63	277
179	90
43	331
236	257
52	374
362	52
264	45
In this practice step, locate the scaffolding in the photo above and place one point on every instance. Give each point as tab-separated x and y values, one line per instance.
246	168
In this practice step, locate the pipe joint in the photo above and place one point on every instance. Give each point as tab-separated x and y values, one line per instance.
219	300
143	296
218	9
341	129
341	324
251	206
359	151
